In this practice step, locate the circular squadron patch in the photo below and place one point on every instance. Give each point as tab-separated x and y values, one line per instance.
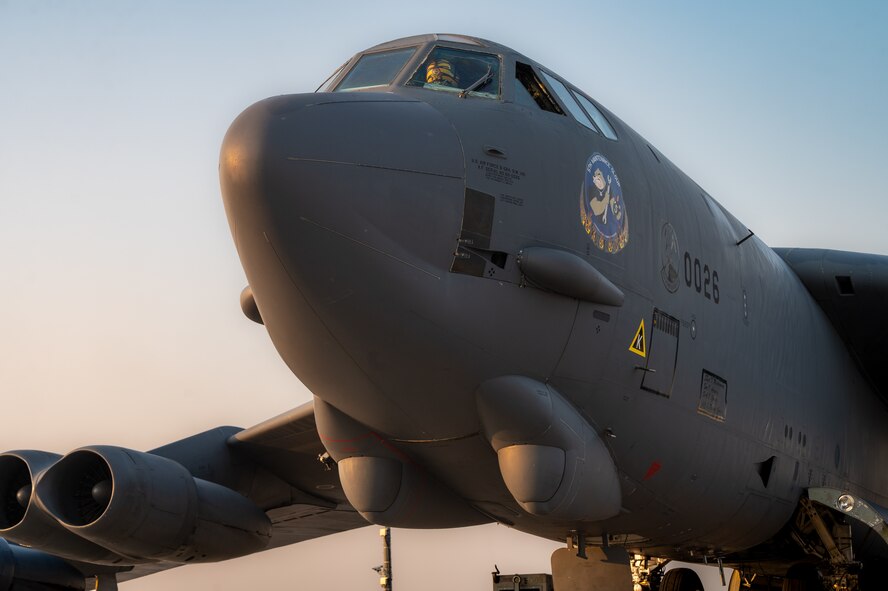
602	210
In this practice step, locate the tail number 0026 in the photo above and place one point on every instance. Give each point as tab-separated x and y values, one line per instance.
701	278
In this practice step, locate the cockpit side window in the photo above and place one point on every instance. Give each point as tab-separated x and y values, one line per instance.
528	86
458	70
376	69
569	101
597	116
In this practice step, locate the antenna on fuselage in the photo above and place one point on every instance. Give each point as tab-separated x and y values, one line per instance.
748	236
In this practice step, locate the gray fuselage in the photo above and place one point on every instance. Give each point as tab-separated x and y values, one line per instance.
350	212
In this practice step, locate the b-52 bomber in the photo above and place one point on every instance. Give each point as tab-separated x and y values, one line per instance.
510	308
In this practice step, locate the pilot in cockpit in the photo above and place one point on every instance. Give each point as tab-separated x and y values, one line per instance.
440	71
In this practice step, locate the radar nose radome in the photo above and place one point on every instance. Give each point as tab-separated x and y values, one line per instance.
339	202
328	158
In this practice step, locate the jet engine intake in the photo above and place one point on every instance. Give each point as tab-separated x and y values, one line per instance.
24	521
18	470
149	507
551	459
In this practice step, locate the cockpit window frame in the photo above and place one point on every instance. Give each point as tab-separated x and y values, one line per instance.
353	63
329	83
611	132
457	47
527	77
550	79
574	94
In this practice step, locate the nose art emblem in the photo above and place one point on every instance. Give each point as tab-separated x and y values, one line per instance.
602	209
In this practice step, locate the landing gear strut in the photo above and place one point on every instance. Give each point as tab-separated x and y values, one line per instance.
823	535
646	572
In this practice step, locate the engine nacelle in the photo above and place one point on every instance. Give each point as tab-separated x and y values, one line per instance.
551	459
24	521
145	506
24	569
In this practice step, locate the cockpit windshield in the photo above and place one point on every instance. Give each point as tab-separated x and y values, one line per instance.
458	70
376	69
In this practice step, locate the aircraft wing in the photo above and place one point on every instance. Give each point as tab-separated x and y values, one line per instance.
288	446
852	289
279	468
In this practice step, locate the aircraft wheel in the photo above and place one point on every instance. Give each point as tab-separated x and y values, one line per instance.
802	577
680	579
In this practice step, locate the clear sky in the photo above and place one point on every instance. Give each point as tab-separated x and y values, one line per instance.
119	320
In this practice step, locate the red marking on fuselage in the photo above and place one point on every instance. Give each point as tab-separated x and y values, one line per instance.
654	468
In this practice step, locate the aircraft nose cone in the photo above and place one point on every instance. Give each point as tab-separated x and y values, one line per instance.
345	207
382	171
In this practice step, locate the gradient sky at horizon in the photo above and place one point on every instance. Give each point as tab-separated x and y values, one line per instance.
119	314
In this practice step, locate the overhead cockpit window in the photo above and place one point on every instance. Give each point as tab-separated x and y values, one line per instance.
569	101
456	70
529	90
458	39
376	69
597	117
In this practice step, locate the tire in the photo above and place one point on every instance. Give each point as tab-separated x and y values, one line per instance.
802	577
680	579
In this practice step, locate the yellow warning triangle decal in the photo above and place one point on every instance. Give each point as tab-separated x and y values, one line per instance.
639	343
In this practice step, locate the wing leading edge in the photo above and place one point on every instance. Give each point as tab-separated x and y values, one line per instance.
852	289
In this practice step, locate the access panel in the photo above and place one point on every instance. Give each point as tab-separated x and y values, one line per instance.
662	356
